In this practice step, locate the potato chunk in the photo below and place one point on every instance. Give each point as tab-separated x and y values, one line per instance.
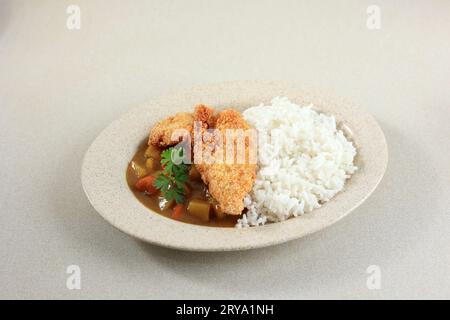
199	208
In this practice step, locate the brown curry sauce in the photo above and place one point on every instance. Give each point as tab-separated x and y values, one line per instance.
198	190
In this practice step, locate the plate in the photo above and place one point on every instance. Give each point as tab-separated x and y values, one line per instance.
105	163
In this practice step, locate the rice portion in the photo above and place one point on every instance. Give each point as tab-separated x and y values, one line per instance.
303	161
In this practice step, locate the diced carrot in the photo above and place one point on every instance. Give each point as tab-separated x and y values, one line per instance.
146	184
177	211
151	189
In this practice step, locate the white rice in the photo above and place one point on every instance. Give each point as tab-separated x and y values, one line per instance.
303	161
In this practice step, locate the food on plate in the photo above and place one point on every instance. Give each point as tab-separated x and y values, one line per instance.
205	115
161	133
226	168
303	161
227	183
199	208
157	201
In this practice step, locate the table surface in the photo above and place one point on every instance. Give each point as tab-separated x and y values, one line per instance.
61	87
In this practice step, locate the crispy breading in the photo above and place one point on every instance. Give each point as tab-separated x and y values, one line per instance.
161	133
205	114
228	183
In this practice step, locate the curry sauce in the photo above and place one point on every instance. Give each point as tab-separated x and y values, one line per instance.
146	162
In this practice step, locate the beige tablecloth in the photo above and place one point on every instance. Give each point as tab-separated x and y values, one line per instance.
59	86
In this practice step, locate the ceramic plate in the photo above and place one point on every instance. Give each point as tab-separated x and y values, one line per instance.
105	163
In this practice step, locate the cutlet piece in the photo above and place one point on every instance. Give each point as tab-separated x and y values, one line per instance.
161	134
228	183
205	114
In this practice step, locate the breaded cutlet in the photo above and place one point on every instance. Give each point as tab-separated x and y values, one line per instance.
228	183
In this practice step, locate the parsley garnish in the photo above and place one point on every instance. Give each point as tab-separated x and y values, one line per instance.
172	180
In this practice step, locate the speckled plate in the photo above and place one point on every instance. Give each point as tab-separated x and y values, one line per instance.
105	163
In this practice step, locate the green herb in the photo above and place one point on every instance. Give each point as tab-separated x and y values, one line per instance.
172	180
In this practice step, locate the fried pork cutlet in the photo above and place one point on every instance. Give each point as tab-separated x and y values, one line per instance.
227	183
206	115
161	134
